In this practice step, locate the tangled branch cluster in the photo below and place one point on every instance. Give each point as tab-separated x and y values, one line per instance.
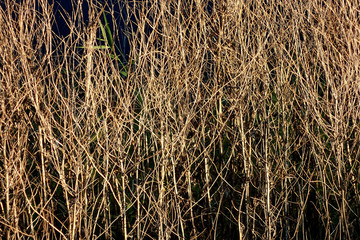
231	119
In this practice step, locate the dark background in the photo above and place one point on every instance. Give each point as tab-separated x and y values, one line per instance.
65	6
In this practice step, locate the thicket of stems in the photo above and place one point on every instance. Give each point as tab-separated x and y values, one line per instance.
231	119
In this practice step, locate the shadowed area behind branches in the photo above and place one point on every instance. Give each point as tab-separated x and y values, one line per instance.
64	8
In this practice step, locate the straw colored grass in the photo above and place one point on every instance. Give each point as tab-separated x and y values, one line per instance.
228	120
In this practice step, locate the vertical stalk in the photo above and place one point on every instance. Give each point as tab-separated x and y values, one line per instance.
207	179
267	176
207	173
74	203
43	179
247	159
89	63
106	197
188	177
286	166
7	186
123	186
138	189
268	191
220	115
286	163
162	186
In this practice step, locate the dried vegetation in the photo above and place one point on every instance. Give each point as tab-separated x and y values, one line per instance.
230	119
